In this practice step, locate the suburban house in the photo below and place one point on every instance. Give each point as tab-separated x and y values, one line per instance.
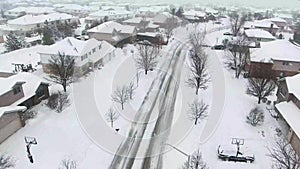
108	15
281	23
266	25
259	35
10	120
30	23
29	10
113	32
280	57
88	54
142	24
75	9
288	108
17	94
164	19
12	62
195	16
151	11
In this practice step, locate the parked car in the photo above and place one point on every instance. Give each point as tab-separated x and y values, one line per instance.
218	47
227	33
230	153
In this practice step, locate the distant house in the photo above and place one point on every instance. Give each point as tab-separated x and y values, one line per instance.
281	23
151	11
195	16
259	35
280	57
112	32
30	23
28	10
88	54
142	24
75	9
23	89
266	25
10	120
108	15
164	19
288	107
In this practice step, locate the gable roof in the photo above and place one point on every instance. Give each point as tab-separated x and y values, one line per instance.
111	26
35	19
106	48
259	33
260	24
293	85
71	46
11	109
275	50
31	83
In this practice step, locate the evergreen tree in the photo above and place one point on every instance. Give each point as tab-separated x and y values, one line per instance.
13	42
179	12
47	37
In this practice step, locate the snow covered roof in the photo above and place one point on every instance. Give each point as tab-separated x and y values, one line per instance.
275	50
106	48
152	8
71	46
31	10
109	13
31	83
110	26
35	19
22	56
135	20
74	7
260	24
194	13
293	85
11	109
276	19
291	114
258	33
161	18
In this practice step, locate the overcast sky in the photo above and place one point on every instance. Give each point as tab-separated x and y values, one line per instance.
293	4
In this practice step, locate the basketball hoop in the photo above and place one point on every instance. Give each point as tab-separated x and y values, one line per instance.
30	140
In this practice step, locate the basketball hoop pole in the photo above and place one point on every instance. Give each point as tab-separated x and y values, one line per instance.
29	141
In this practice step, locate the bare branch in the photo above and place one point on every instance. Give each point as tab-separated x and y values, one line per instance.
121	96
198	111
147	58
68	164
112	116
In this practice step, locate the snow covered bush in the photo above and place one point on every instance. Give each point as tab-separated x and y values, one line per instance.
52	101
58	101
68	164
196	162
6	162
30	114
255	117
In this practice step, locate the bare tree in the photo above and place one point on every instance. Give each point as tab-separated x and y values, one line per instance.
196	162
255	117
198	68
68	164
112	116
237	59
121	95
6	162
62	102
197	111
260	87
171	24
284	156
236	23
196	39
147	58
62	69
131	90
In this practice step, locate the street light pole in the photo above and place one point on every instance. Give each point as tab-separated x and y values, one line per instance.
188	156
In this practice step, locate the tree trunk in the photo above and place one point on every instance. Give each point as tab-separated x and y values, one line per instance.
146	71
196	120
122	104
64	86
197	89
259	99
112	124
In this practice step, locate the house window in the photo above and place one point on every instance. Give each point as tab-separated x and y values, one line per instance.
16	90
99	47
90	53
83	57
94	50
286	63
38	25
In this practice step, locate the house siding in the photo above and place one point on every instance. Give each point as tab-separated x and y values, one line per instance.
9	97
9	124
